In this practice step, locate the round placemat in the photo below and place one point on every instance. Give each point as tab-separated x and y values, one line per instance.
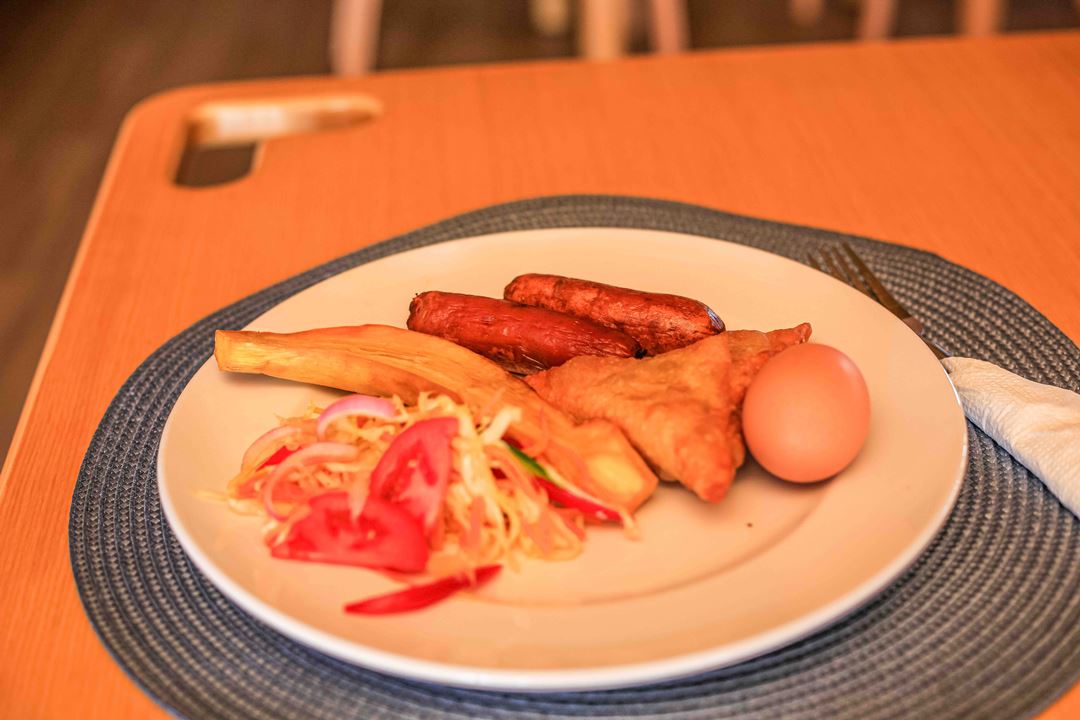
985	624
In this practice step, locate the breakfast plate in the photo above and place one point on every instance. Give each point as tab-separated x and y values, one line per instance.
704	586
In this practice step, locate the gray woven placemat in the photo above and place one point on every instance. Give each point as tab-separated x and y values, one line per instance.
986	624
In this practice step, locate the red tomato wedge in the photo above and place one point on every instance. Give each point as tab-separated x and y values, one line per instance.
384	536
421	596
414	471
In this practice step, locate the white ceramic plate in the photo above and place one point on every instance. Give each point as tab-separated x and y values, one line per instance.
706	586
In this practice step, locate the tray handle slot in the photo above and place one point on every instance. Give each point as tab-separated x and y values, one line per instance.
223	140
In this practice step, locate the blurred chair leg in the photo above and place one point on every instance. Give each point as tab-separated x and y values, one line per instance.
604	28
876	19
668	30
807	12
551	18
980	17
354	36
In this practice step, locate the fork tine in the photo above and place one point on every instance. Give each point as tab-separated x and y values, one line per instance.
883	295
830	266
855	279
886	299
843	272
834	268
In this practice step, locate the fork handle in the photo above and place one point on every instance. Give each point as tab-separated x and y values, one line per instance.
939	352
915	324
918	328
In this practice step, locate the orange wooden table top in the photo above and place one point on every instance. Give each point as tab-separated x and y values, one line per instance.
970	149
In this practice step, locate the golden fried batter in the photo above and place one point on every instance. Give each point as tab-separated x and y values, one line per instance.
680	409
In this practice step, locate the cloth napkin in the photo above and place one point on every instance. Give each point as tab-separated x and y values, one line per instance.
1038	424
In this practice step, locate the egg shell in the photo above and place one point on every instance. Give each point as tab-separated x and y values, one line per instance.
806	414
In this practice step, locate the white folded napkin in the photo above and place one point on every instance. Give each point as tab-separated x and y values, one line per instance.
1038	424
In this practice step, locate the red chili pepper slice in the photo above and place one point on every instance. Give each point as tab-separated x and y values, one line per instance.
279	455
568	499
384	536
283	492
421	596
414	471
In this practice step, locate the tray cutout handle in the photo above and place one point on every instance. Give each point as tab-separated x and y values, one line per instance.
223	139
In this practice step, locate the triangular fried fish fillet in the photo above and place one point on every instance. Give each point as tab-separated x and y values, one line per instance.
680	409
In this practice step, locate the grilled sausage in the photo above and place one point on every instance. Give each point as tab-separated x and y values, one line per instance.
522	339
657	321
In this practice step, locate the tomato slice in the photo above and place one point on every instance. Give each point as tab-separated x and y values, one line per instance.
414	471
420	596
384	536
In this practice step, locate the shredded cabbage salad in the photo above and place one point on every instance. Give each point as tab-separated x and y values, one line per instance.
360	480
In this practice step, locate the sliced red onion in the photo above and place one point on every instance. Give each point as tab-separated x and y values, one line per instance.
354	405
319	452
266	443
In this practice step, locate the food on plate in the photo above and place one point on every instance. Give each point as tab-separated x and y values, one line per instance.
374	483
680	409
521	338
447	466
659	322
593	457
807	413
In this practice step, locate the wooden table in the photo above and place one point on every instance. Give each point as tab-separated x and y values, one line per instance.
970	149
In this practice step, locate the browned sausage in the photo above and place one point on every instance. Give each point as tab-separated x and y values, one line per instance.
522	339
657	321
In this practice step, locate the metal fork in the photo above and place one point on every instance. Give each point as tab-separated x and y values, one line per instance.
859	276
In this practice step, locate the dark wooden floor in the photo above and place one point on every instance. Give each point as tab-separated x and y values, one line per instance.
70	69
